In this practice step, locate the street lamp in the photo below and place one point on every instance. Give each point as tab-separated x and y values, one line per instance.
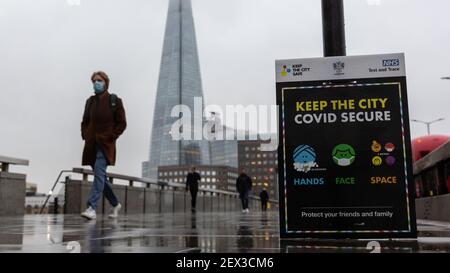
427	123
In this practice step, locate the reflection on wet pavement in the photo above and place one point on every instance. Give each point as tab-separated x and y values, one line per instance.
199	232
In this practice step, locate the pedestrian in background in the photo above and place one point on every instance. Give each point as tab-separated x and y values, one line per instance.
264	197
243	186
192	180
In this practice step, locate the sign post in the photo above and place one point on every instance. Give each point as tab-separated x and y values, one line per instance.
345	168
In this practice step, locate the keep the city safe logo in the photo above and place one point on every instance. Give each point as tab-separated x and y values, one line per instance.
285	70
343	155
294	70
304	158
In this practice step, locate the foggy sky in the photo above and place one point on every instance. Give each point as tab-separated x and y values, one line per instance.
49	48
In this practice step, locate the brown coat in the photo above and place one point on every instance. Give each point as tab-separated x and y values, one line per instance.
99	126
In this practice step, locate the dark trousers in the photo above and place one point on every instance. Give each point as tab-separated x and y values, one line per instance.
264	205
244	199
193	199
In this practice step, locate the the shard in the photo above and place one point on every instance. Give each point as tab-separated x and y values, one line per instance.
179	82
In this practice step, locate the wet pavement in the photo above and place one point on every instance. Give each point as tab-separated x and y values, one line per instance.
217	232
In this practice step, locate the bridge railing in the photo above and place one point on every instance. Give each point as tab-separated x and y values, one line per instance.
5	161
12	186
144	195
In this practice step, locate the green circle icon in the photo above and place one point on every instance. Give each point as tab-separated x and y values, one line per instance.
343	155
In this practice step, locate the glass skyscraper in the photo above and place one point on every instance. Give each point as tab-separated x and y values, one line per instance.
179	82
224	152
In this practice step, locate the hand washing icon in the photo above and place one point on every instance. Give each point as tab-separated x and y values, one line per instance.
304	158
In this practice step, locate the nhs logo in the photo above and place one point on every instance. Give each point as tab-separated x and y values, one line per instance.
391	62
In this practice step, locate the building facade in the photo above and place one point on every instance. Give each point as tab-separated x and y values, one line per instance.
30	189
260	165
212	177
224	153
34	203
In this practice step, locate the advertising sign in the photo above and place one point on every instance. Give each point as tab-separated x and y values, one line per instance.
345	165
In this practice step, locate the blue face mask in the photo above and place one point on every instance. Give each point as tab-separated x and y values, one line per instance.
99	87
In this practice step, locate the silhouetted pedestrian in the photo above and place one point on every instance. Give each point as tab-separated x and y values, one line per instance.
192	180
243	186
264	196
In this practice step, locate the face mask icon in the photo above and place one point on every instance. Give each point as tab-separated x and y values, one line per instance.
343	155
344	161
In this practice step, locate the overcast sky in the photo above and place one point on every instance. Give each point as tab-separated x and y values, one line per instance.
49	48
